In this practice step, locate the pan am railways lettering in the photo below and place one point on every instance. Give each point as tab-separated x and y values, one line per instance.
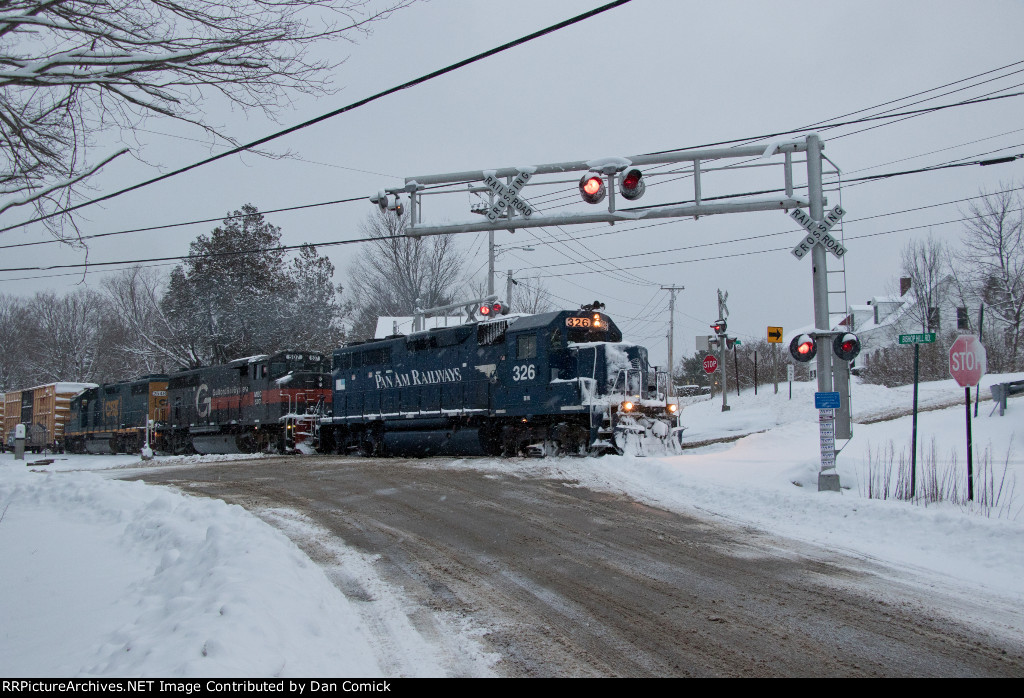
414	377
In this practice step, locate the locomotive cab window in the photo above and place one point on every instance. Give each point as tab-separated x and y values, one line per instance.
526	346
342	361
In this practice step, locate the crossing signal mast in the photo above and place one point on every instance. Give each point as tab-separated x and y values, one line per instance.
623	179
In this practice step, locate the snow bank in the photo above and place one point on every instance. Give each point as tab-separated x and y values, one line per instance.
124	579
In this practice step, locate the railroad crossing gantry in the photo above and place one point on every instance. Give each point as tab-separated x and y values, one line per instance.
507	208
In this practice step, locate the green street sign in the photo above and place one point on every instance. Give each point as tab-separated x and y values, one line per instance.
921	338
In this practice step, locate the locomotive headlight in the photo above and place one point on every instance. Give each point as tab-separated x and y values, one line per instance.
627	406
671	409
597	320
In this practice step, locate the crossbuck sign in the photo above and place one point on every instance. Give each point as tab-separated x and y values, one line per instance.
507	195
817	232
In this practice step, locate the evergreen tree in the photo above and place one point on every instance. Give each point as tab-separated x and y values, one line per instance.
237	295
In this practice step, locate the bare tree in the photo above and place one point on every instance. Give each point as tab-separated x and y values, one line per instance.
70	69
393	274
64	336
13	328
146	341
994	262
924	262
531	296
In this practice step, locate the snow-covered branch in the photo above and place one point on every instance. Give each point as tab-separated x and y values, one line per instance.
70	69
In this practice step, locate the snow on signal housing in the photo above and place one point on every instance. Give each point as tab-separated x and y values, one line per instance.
846	346
592	188
631	184
803	347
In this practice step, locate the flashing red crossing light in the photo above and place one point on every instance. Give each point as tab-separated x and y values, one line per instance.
846	346
592	188
631	184
493	309
719	327
803	347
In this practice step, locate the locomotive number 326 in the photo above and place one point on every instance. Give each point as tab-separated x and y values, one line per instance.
524	373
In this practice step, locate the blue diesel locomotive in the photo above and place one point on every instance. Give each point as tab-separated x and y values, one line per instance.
554	383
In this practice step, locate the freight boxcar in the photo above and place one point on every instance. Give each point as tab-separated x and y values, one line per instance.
44	411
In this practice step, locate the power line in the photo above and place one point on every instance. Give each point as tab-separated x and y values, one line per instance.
563	197
331	114
361	240
180	225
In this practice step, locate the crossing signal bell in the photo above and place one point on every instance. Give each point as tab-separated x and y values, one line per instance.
592	188
631	184
846	346
803	348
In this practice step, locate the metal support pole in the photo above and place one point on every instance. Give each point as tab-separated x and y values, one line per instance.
508	289
725	377
913	428
828	478
736	367
970	447
981	328
490	262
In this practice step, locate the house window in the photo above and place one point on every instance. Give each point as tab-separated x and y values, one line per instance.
962	321
933	318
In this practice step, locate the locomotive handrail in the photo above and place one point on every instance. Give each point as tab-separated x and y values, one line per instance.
624	373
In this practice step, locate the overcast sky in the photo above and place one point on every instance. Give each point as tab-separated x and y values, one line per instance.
649	76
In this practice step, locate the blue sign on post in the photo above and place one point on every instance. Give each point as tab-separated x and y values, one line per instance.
826	401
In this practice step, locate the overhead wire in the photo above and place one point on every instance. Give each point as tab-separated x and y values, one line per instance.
336	112
368	239
150	228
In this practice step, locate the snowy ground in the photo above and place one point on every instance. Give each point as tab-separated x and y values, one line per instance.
109	578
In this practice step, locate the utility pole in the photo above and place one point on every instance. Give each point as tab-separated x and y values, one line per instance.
508	289
673	290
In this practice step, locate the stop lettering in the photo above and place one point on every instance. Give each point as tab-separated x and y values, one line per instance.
710	364
967	360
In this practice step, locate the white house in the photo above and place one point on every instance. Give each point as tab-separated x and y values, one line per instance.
882	319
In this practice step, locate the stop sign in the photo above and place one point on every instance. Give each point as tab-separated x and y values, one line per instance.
967	360
710	364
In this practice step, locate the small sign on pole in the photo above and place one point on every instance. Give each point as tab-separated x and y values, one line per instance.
922	338
827	401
